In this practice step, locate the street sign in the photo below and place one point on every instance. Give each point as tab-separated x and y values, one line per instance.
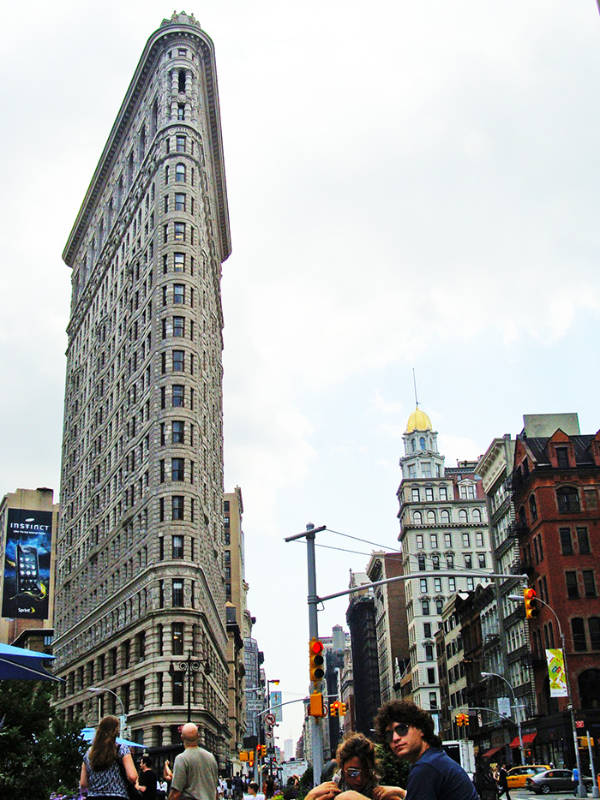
270	719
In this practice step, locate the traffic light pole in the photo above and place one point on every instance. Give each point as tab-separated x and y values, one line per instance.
316	725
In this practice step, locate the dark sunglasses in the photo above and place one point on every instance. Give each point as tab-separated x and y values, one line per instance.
400	729
353	772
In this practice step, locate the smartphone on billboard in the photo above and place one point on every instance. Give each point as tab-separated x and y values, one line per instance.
28	569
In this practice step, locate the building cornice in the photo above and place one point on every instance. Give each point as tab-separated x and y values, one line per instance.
118	134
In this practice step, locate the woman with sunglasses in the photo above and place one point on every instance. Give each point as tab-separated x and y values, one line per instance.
356	778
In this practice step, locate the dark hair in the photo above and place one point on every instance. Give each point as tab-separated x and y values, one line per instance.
104	747
356	744
411	714
146	760
253	785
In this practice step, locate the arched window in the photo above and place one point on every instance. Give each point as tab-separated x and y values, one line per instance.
532	507
568	499
431	517
414	446
444	516
476	515
422	443
462	515
180	173
417	518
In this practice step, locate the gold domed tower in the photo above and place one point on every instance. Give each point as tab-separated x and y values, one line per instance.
421	456
418	421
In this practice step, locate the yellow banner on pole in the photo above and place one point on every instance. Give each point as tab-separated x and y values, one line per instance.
556	673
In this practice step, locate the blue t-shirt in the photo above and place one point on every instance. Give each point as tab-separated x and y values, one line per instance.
435	776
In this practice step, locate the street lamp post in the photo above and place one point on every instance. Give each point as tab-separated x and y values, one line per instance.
581	790
514	705
190	666
123	717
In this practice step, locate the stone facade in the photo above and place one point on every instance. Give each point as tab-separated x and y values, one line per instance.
140	572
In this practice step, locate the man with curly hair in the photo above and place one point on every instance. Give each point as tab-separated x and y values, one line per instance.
408	731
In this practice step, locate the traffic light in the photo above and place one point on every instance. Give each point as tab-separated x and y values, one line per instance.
531	603
316	661
244	755
342	709
465	719
462	719
251	757
263	750
315	706
333	708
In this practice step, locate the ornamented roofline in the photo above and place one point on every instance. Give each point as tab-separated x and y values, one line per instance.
147	63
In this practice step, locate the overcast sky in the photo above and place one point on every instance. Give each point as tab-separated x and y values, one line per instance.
411	184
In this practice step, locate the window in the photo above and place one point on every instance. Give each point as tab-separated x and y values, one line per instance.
589	583
433	700
479	539
470	584
439	606
180	144
425	608
466	491
178	293
177	638
177	588
177	688
179	231
583	541
444	517
466	540
177	469
180	110
421	561
177	506
417	517
443	493
476	515
427	630
437	584
428	493
449	561
423	585
532	507
429	652
468	561
178	326
571	579
179	202
177	396
566	545
179	262
178	360
452	584
419	540
435	560
578	629
594	626
462	516
180	173
568	499
433	540
481	560
562	456
448	539
415	495
422	443
431	517
177	432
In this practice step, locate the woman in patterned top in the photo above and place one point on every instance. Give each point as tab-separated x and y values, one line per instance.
100	772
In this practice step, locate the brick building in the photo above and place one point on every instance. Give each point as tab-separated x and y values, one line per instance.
556	488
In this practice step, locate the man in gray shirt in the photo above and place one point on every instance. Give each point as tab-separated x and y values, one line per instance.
195	773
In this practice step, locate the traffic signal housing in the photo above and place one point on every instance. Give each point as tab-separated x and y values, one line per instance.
316	708
342	709
531	603
462	719
316	661
333	708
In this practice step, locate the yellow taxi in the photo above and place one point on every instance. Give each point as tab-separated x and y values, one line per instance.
517	776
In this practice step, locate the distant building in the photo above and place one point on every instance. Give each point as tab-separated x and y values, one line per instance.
443	525
390	622
28	533
556	492
360	616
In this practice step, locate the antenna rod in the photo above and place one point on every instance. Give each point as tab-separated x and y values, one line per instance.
415	380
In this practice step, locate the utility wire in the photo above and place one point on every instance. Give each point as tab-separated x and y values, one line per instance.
366	541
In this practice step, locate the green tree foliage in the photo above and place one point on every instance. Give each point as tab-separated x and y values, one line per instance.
392	771
39	753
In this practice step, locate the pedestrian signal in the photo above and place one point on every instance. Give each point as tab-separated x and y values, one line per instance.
316	660
531	603
316	707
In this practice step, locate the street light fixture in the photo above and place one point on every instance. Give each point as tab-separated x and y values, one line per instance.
581	790
514	705
123	717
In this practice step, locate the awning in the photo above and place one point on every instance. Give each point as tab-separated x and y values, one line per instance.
527	739
24	665
492	751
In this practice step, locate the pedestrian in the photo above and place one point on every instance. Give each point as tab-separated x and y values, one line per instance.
147	782
195	771
238	787
484	782
253	793
503	782
408	732
107	766
575	778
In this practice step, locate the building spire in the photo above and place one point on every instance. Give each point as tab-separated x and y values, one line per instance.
415	385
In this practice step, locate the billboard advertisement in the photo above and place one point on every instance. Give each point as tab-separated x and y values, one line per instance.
275	702
27	564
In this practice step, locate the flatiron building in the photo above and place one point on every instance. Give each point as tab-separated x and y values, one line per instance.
140	582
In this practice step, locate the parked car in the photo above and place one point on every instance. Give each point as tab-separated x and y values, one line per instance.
517	776
555	780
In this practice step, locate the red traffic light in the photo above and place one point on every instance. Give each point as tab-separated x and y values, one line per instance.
316	647
528	594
